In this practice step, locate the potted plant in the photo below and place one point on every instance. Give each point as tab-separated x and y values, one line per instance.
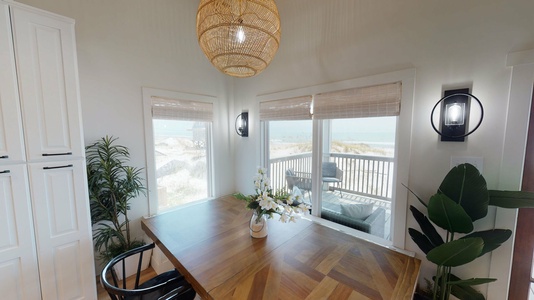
461	199
112	185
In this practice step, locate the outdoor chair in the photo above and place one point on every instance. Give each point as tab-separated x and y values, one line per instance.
170	285
332	174
299	179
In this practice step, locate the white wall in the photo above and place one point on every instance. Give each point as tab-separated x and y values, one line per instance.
126	44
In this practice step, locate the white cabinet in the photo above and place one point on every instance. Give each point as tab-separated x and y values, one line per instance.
19	276
46	249
11	141
60	214
45	52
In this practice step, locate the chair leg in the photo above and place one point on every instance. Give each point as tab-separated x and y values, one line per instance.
339	189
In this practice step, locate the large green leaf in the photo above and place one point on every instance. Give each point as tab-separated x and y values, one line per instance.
421	240
511	199
456	253
413	193
466	186
492	238
471	281
448	214
464	292
428	229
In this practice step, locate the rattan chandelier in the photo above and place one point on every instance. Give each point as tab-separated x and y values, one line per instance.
239	37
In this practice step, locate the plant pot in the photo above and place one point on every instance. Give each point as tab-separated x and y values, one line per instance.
258	226
131	264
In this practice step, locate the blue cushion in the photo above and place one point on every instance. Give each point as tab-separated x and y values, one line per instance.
357	211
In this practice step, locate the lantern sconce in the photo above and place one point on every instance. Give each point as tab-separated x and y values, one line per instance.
455	113
241	124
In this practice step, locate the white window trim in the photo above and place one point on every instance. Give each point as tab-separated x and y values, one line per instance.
148	93
513	158
402	140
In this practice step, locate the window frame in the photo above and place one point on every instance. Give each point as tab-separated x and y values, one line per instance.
402	145
148	93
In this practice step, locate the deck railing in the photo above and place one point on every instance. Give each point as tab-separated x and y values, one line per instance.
299	163
362	174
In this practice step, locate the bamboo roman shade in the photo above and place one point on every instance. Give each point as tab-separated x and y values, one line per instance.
286	109
371	101
173	109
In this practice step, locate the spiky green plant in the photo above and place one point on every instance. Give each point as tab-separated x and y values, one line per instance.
112	185
461	199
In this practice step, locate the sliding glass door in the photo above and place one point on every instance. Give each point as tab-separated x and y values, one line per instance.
341	159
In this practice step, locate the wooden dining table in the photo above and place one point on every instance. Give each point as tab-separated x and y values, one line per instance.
210	244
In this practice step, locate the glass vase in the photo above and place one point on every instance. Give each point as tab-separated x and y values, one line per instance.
258	226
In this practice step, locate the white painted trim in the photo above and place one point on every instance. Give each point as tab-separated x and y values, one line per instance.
32	9
510	177
317	158
403	142
148	93
403	145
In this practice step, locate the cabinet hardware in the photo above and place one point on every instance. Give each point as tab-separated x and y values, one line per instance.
57	154
4	156
58	167
5	172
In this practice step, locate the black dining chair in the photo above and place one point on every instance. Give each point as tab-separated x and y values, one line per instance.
170	285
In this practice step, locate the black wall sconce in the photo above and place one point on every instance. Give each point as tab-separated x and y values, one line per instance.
241	124
455	113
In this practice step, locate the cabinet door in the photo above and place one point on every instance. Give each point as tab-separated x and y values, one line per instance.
11	147
19	276
45	53
63	230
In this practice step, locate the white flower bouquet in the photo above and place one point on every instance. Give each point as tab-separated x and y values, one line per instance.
268	202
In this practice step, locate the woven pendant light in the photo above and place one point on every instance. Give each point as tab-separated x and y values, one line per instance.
239	37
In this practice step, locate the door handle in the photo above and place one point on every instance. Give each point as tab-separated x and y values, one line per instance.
57	154
5	172
58	167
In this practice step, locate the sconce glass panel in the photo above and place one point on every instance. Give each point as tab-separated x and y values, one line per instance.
454	114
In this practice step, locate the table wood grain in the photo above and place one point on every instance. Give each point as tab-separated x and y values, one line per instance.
210	244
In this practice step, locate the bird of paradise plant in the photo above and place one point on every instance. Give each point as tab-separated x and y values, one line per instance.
461	199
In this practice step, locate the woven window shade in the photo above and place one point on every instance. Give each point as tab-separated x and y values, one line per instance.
286	109
239	37
371	101
186	110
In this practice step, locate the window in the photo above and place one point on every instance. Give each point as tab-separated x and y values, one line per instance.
290	155
289	146
178	149
343	159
